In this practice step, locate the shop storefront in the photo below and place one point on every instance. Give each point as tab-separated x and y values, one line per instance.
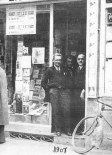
31	32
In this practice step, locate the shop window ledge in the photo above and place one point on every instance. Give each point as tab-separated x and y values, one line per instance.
28	128
42	119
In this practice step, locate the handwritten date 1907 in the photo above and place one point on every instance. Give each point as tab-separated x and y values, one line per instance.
58	149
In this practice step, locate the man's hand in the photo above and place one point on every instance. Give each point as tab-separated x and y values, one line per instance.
59	86
82	95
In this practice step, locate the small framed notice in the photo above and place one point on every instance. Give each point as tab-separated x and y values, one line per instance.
38	55
36	73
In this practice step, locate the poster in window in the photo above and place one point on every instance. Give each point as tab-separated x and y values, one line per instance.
21	20
26	61
25	50
38	55
18	74
26	71
19	69
36	73
26	86
19	85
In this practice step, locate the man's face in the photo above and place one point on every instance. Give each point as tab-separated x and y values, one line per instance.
57	61
81	60
69	62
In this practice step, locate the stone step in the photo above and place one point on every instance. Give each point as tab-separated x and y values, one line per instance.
52	137
63	139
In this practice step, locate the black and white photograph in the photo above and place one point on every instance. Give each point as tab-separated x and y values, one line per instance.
55	77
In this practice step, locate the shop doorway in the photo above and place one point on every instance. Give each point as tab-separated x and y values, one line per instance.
70	27
70	35
69	38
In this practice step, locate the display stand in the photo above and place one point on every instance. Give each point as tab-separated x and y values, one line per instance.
28	107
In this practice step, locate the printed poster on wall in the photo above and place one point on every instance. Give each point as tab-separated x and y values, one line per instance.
21	20
38	55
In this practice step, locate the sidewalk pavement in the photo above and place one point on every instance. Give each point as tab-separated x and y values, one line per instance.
20	146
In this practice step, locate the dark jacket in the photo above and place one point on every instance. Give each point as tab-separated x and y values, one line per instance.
79	79
69	77
54	79
51	78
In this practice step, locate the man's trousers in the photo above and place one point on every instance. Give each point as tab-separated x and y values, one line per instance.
60	102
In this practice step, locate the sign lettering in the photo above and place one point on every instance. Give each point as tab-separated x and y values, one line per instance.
21	20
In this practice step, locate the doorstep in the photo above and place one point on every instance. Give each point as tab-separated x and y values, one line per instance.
37	130
44	132
63	139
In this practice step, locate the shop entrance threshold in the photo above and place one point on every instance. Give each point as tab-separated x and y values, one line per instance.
35	132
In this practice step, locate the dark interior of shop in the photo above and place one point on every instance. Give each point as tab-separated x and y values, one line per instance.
70	27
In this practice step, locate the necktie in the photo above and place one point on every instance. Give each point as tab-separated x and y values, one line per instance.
58	70
79	69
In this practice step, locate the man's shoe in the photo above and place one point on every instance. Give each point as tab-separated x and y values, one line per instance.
69	133
58	134
2	142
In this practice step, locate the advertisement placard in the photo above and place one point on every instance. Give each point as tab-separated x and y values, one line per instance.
21	20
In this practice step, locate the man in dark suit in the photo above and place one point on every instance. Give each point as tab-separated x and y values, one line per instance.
56	82
78	104
70	71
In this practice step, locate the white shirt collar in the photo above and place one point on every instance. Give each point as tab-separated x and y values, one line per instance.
57	68
80	67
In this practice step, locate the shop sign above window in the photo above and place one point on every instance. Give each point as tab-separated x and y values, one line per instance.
21	20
